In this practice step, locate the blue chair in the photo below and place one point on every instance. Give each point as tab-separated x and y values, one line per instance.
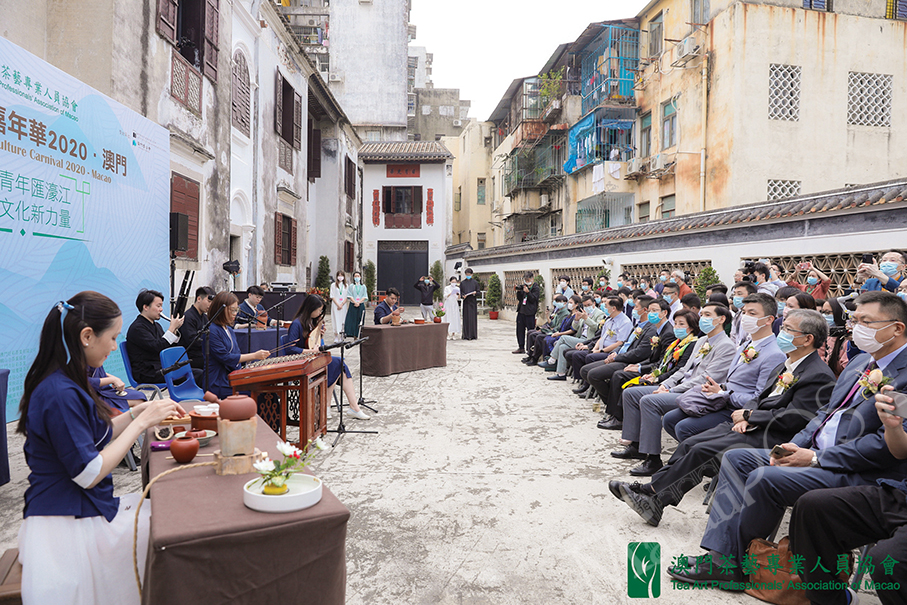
128	365
180	383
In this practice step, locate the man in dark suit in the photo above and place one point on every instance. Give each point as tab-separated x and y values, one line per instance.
193	321
145	338
527	295
842	446
774	416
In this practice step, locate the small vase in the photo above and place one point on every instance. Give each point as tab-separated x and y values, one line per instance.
437	320
184	449
238	407
275	490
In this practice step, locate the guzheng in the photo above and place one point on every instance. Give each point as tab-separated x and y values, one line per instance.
286	367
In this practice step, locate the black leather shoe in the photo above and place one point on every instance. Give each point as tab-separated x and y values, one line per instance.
530	361
518	352
614	488
647	507
711	572
611	424
525	359
647	468
557	377
631	452
581	390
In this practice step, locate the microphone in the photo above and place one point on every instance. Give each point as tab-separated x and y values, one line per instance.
174	367
352	344
324	348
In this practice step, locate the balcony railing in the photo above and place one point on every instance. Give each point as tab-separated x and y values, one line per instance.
185	83
402	221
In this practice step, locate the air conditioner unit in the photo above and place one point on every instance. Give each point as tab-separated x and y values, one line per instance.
686	48
658	162
335	78
457	122
543	200
633	165
311	22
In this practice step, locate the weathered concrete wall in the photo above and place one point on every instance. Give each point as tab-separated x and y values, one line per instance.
472	161
438	111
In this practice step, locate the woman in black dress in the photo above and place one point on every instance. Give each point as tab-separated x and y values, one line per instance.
468	293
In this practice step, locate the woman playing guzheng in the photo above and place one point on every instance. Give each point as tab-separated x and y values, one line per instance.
224	350
75	544
304	337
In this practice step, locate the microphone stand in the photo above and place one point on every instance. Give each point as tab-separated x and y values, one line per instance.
341	429
205	329
280	304
242	315
363	402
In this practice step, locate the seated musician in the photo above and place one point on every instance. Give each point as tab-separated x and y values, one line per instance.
388	308
194	320
76	542
309	319
250	309
145	338
224	350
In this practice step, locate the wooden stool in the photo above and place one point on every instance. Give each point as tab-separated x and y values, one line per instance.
10	577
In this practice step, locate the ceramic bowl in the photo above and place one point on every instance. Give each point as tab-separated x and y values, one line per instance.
202	441
418	321
305	491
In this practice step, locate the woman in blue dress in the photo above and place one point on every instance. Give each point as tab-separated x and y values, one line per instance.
224	350
75	544
310	317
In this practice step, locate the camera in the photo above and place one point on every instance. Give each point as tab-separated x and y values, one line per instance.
838	332
749	277
748	266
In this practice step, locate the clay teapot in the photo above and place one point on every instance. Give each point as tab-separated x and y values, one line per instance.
197	434
211	397
184	449
238	407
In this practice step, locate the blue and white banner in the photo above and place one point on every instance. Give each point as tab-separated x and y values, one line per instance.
84	203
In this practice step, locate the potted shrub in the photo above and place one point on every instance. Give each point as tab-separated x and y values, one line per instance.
493	295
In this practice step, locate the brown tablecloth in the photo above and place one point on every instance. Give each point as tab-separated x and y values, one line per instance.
207	547
395	349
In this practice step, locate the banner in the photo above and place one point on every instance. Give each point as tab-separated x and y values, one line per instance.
84	203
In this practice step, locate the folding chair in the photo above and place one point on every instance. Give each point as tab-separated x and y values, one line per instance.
128	365
180	383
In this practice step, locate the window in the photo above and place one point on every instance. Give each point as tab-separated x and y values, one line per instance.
667	206
284	155
192	26
645	135
480	241
185	83
779	190
241	94
669	125
373	136
287	112
656	31
784	92
402	207
349	178
314	151
819	5
284	239
458	196
349	257
644	212
895	9
480	192
869	99
700	12
184	194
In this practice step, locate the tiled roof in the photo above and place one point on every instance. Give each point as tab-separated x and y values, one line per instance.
404	151
819	204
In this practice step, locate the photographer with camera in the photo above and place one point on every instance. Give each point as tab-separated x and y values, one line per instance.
817	283
527	295
884	275
834	353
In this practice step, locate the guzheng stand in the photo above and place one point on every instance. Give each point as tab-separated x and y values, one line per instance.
341	429
273	381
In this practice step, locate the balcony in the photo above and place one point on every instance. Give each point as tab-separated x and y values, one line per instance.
605	210
185	83
402	221
609	68
528	131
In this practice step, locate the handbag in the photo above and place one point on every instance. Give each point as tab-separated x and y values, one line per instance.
771	581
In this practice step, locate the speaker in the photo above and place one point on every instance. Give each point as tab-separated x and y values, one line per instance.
179	232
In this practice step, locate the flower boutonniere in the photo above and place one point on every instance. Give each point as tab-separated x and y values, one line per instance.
872	382
637	332
704	350
610	333
749	353
654	341
786	381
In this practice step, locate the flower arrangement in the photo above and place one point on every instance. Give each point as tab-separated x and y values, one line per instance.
322	292
274	475
704	350
749	353
872	382
786	381
440	312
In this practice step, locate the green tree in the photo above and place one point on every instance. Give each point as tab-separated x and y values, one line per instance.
369	273
604	272
493	294
323	279
437	274
706	278
541	282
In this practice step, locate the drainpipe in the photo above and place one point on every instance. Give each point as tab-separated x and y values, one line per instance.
705	86
258	230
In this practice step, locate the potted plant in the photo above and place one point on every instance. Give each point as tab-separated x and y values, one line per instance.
439	313
493	295
283	486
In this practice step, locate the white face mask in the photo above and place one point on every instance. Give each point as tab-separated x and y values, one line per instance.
339	278
750	324
563	284
570	306
865	338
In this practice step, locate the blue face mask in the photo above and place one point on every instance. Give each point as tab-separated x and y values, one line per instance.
427	281
663	277
469	277
602	283
620	284
635	314
585	288
558	305
630	303
669	298
786	342
889	268
653	317
680	333
738	302
812	281
598	300
673	281
781	305
357	279
829	319
903	296
707	324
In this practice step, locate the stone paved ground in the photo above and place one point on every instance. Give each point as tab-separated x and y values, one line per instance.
486	484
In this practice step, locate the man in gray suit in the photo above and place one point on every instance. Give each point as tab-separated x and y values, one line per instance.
644	406
843	445
756	359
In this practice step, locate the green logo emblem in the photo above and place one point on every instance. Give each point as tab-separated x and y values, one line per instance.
643	570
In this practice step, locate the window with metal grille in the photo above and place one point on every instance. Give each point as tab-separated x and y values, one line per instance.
779	190
869	99
656	31
284	155
896	9
643	212
700	11
818	5
284	239
349	257
669	124
241	93
645	135
784	92
604	210
349	178
185	83
480	192
480	241
192	27
668	206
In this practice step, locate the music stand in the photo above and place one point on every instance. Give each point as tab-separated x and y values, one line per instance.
341	429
